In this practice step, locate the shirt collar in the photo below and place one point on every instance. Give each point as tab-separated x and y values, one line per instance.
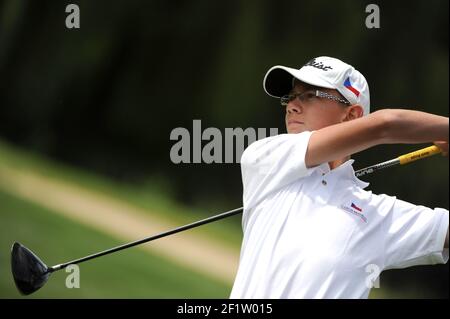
344	171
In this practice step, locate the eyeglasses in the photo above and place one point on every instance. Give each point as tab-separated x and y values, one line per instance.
307	96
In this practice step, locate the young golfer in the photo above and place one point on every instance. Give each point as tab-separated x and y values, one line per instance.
311	228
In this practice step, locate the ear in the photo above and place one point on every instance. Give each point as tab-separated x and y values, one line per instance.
353	112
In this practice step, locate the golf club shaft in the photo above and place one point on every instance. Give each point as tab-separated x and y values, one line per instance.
147	239
403	159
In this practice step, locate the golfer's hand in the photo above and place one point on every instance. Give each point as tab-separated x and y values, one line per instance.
443	146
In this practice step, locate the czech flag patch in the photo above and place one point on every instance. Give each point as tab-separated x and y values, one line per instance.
356	207
349	86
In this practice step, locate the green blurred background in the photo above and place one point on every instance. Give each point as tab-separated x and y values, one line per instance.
94	107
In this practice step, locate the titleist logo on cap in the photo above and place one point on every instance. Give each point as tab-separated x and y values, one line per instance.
318	65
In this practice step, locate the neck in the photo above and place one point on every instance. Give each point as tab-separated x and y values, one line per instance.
336	163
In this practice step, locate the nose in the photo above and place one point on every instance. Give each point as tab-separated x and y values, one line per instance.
293	108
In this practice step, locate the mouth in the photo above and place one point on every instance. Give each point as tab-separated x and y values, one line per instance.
290	122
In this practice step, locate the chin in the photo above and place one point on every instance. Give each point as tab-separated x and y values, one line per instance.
295	131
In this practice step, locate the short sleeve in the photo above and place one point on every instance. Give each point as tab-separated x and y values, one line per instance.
415	235
271	163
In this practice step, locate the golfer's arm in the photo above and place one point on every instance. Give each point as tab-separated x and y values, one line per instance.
388	126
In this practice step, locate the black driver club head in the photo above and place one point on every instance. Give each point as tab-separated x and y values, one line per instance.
29	272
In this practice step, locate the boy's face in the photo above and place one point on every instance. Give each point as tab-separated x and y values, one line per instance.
309	113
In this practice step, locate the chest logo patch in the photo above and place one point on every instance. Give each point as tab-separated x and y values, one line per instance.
355	210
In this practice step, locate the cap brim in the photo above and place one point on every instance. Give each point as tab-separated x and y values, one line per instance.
278	80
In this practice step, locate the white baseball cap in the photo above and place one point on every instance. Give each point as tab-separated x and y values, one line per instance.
324	72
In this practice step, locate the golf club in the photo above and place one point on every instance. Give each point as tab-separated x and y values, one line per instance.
30	273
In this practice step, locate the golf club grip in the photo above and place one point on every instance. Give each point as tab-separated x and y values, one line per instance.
419	154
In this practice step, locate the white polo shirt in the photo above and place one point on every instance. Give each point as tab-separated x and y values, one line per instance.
316	233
